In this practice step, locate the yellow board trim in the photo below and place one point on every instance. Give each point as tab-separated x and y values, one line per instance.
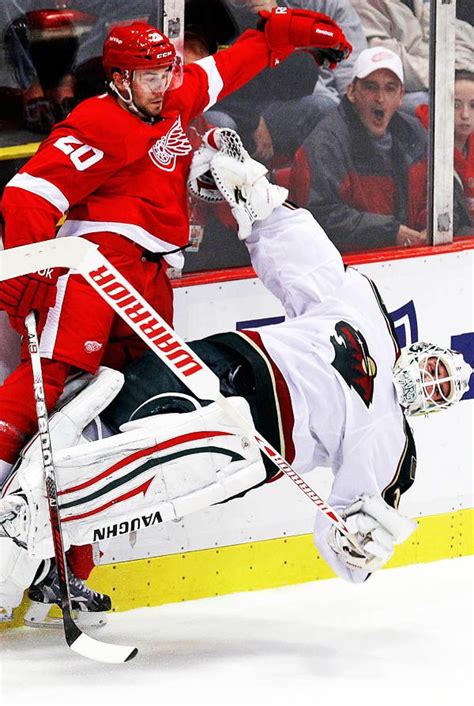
259	565
19	151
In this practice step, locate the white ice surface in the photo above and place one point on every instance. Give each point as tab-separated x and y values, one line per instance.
404	637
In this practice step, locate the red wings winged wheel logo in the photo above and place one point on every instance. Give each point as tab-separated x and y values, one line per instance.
174	144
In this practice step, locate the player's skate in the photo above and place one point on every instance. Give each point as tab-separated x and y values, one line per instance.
90	606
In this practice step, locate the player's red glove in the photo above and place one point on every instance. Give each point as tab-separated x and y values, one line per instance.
33	292
287	30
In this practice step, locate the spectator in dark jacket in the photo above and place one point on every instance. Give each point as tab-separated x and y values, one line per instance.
368	162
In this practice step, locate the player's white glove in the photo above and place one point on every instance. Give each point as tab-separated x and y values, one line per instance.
377	528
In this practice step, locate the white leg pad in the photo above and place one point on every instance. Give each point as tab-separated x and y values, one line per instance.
159	468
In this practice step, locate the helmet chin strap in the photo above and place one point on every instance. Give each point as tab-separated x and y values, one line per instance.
128	98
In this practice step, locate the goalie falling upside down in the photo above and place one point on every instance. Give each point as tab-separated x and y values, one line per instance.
327	387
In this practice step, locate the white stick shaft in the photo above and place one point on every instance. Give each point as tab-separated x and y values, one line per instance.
76	639
47	456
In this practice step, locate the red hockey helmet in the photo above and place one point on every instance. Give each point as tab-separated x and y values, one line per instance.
137	46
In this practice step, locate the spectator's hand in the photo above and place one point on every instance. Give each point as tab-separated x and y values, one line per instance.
263	142
63	108
409	238
38	115
257	6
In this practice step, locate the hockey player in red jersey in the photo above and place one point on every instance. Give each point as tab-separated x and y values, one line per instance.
118	166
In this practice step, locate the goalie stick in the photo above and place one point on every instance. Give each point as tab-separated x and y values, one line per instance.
85	258
77	640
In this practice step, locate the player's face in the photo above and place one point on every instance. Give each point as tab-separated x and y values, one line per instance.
376	98
432	371
463	110
148	89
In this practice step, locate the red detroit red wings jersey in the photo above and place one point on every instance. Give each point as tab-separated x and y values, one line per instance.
113	172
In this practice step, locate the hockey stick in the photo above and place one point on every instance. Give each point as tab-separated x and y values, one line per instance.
75	638
85	257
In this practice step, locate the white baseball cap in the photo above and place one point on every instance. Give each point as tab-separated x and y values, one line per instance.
376	58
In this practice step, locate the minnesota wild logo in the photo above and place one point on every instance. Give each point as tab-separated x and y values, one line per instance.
353	360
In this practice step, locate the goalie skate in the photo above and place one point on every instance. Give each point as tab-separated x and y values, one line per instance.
90	607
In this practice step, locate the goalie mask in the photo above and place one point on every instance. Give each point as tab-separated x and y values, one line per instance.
429	378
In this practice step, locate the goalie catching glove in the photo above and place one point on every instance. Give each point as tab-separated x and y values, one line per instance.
377	528
222	170
287	30
201	183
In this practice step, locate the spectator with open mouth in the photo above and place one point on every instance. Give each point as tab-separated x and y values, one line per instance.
367	162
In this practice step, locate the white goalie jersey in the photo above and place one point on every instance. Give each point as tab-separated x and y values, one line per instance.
336	351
